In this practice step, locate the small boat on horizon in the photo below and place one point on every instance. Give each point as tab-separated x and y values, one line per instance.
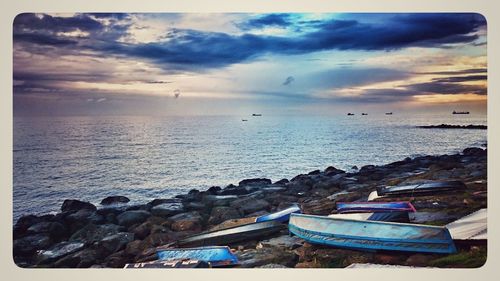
460	112
350	114
256	114
364	113
388	113
244	120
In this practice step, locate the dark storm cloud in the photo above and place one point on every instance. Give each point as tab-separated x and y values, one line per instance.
461	78
447	88
280	20
458	72
196	50
288	80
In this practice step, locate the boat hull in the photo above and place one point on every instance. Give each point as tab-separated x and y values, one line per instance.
422	189
232	235
371	207
371	235
281	216
217	256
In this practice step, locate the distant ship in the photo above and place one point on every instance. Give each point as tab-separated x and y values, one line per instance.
388	113
256	114
244	120
364	113
460	112
350	114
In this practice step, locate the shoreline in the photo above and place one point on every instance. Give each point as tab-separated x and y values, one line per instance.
116	233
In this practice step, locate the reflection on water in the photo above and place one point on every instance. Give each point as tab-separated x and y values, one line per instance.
89	158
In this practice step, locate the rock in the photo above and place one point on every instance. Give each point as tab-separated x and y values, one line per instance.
167	209
250	205
383	258
418	260
92	233
315	172
142	230
159	239
28	245
213	190
285	241
129	218
221	214
474	151
84	216
233	223
114	200
117	260
331	171
272	265
186	221
318	207
256	181
234	190
282	182
75	205
114	243
263	256
81	259
58	251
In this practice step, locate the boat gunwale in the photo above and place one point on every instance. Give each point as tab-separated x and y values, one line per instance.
355	209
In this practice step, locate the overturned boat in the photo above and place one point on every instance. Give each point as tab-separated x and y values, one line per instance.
169	264
372	207
231	235
471	229
217	256
384	216
371	235
280	216
421	189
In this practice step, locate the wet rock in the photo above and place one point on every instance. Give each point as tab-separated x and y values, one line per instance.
282	182
196	206
28	245
315	172
114	243
474	151
285	241
75	205
250	205
157	202
114	200
117	260
331	171
234	190
81	259
159	239
256	181
263	256
318	207
58	251
186	221
129	218
82	217
92	233
55	230
213	190
167	209
221	214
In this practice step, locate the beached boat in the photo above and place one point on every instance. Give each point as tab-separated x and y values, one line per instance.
280	216
385	216
169	264
472	228
232	235
422	188
371	235
216	256
371	207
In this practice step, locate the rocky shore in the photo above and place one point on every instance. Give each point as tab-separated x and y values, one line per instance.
114	233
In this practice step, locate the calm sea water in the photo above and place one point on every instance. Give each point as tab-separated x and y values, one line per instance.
143	158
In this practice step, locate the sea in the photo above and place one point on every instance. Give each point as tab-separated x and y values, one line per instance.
148	157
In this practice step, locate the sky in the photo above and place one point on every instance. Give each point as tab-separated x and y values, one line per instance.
238	63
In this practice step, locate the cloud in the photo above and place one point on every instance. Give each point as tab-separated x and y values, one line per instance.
192	50
455	79
288	80
456	72
437	87
100	100
274	20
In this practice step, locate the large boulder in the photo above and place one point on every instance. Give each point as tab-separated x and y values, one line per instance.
75	205
58	251
114	200
30	244
92	233
190	221
250	205
81	259
255	182
323	206
221	214
114	243
259	257
167	209
129	218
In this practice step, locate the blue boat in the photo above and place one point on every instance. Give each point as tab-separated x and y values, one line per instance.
281	216
371	235
217	256
374	207
425	188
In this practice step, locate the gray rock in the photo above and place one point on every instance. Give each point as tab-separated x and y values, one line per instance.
114	200
186	221
58	251
257	181
259	257
130	218
221	214
81	259
250	205
75	205
272	265
92	233
284	241
167	209
29	244
114	243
